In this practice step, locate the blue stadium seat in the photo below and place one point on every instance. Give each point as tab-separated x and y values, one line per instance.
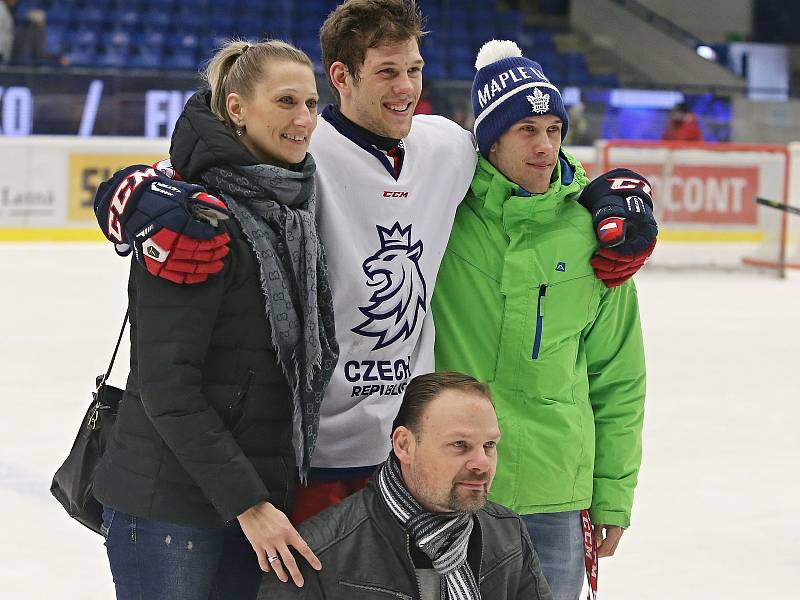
55	39
461	55
556	72
309	44
459	36
578	77
313	7
92	16
178	34
544	58
212	43
198	22
608	80
61	14
456	19
433	17
161	20
23	6
223	24
278	25
149	7
434	53
250	27
180	60
112	5
308	24
145	58
508	30
229	6
188	42
152	38
83	37
482	13
118	38
434	70
83	56
483	32
112	58
183	40
462	70
129	18
277	9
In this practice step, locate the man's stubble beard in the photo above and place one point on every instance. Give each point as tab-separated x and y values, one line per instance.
474	501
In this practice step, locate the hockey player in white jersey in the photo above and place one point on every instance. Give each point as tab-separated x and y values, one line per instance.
388	184
389	191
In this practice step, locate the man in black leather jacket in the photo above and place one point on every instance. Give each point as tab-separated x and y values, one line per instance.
422	529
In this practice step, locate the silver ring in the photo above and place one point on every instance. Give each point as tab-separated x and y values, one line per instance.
272	558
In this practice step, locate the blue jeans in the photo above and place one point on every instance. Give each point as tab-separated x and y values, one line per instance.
558	540
154	560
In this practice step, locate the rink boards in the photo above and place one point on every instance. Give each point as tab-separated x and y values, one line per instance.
704	194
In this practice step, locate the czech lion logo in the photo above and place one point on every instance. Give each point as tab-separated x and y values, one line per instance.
400	294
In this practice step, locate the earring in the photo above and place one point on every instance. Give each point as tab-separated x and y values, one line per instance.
239	132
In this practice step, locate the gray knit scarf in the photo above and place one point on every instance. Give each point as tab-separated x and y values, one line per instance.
443	537
275	208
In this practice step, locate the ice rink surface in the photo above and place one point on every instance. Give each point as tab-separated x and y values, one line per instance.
715	514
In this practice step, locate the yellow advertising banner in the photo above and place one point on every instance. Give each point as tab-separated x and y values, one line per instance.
87	171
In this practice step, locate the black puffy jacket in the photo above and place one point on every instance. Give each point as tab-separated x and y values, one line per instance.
365	553
204	430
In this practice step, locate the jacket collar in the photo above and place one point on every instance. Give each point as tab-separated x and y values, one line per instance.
504	199
200	140
373	143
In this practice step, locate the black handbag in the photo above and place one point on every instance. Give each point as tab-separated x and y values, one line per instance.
73	482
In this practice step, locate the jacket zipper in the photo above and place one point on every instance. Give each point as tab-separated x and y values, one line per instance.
235	411
537	338
374	588
411	562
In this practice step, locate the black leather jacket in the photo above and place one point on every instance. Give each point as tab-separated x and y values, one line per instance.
366	553
205	427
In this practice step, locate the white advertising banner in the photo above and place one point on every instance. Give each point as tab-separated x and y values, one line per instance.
47	184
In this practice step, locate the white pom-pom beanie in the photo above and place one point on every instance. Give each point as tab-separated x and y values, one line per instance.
507	88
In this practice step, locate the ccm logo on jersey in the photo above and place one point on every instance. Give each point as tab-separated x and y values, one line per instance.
391	194
120	200
626	183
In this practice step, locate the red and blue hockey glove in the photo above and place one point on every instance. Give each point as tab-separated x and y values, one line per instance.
622	215
170	225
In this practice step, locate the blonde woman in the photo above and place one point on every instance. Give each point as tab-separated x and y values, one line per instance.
222	401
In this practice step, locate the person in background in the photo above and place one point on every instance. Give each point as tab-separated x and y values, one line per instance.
422	527
29	41
578	132
682	125
222	401
516	305
424	105
6	29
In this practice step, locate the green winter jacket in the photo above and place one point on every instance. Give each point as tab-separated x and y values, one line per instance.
517	305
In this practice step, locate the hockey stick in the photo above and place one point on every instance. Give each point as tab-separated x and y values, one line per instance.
779	205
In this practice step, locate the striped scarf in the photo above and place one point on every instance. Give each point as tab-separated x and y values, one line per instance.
443	537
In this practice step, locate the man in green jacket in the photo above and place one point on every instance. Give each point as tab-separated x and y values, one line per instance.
516	305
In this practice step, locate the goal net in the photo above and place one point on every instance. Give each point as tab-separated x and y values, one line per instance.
705	201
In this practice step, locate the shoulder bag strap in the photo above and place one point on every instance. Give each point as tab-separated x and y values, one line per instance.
116	349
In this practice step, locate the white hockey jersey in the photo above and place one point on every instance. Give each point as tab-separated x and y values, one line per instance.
384	240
